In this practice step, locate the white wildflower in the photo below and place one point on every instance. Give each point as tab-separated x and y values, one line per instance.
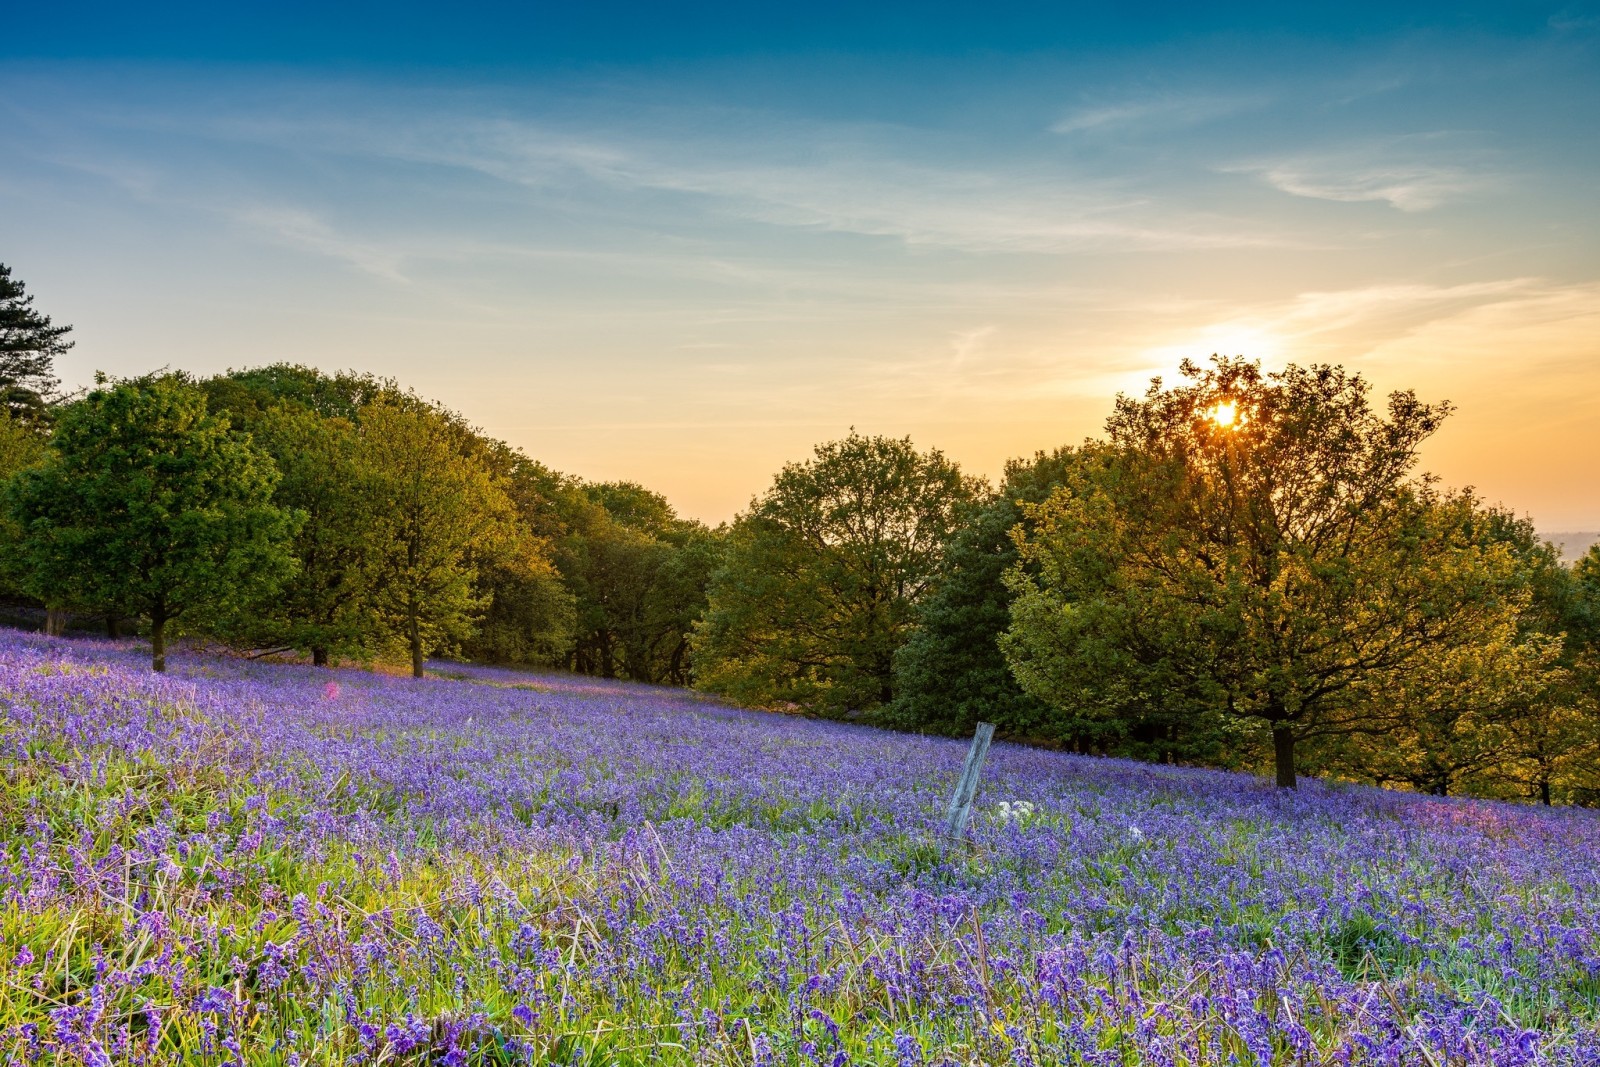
1020	812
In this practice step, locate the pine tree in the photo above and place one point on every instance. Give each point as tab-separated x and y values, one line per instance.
28	347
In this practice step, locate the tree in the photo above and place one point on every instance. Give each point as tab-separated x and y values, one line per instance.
322	608
1549	733
1252	548
640	575
1463	715
530	617
437	511
29	344
1554	749
22	445
251	395
148	505
821	576
950	674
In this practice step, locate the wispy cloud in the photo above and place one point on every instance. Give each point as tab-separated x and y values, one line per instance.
295	227
925	188
1412	173
879	182
1163	111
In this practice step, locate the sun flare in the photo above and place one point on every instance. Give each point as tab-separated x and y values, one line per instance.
1225	414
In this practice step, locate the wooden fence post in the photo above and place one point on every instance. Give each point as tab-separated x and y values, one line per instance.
955	816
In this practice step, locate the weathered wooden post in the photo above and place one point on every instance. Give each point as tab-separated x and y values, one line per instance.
955	816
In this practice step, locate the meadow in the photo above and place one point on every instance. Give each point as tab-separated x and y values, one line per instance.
246	863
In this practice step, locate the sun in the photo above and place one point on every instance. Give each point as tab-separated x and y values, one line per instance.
1225	414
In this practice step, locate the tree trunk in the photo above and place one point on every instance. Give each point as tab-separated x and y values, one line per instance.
319	657
55	621
416	644
1544	791
158	642
1283	756
113	626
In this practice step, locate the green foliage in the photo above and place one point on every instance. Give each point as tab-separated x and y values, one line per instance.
1505	716
1278	573
951	673
821	577
148	505
639	575
1459	716
531	614
251	395
494	594
437	510
322	609
29	343
22	445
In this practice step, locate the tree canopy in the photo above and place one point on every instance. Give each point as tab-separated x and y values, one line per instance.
821	576
437	512
950	674
1254	549
1247	570
149	505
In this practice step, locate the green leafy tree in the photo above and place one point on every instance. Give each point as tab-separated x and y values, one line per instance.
148	505
1461	715
821	576
22	445
951	674
1554	752
438	511
29	343
322	608
251	395
641	576
530	615
1253	549
1550	735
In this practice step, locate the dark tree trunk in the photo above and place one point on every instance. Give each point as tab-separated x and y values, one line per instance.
158	641
113	626
319	657
416	644
1544	791
1283	756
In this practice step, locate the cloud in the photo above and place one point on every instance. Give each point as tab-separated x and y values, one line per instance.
1416	172
1370	323
666	166
1163	111
877	182
294	227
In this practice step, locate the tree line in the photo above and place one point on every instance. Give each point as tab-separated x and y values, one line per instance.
1246	569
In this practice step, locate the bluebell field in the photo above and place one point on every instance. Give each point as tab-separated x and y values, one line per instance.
246	863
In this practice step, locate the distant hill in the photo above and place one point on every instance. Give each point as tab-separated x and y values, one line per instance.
1573	543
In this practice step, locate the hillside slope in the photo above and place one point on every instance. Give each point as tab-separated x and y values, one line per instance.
282	865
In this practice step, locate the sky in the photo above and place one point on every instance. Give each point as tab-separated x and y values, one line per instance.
682	244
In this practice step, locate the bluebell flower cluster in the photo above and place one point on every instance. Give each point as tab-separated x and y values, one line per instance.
242	863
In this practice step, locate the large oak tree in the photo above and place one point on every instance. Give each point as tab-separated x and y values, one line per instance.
1255	548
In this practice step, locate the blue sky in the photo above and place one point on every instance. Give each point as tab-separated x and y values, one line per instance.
682	246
